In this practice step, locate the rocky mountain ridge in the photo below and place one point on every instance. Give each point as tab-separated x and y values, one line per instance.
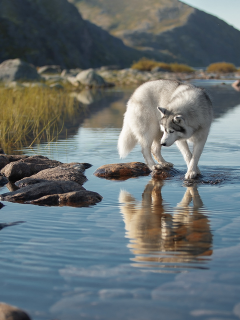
53	32
169	27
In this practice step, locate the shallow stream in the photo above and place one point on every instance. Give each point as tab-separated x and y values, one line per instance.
149	250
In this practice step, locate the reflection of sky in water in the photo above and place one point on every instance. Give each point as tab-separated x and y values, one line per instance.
81	261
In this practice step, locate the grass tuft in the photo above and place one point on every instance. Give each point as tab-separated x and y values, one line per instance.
145	64
32	114
221	67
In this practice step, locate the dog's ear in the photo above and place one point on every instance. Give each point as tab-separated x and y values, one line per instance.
178	119
162	111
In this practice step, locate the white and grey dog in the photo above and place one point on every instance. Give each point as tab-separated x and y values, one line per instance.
162	112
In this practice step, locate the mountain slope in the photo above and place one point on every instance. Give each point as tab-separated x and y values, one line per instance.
53	32
166	26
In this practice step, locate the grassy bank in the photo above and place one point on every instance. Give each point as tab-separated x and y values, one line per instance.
31	115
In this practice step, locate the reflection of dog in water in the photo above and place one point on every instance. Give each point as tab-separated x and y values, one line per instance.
157	235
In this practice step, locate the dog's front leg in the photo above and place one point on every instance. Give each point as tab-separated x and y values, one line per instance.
197	151
186	153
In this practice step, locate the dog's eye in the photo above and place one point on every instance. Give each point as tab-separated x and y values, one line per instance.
171	131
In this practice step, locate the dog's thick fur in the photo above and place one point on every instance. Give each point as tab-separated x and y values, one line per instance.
167	111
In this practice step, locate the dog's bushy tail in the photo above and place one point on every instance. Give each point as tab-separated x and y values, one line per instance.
126	141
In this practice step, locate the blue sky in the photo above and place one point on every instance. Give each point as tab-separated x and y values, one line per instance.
227	10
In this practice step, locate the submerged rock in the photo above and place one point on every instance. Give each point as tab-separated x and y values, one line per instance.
8	312
16	69
79	198
26	167
53	193
40	189
122	171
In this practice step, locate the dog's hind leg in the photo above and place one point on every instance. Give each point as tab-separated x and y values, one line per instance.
156	151
185	151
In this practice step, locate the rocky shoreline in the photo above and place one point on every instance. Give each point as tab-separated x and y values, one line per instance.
16	73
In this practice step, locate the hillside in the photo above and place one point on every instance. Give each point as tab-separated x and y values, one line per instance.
168	27
53	32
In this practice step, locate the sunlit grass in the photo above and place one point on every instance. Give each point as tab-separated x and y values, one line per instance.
145	64
221	67
30	115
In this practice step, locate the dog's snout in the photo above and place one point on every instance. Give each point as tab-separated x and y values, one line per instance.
163	144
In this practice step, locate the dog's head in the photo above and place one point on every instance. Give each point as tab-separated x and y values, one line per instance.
172	126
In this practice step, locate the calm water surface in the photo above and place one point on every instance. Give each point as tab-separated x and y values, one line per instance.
150	249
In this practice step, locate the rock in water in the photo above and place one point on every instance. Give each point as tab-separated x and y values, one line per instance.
80	198
122	171
164	173
16	69
64	172
26	167
8	312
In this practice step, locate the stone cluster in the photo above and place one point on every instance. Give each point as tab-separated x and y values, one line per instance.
39	180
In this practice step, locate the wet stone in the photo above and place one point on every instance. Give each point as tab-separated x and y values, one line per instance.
41	189
3	181
3	161
47	182
64	172
164	173
26	167
17	157
80	198
122	171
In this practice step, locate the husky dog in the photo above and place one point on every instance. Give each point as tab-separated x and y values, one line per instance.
169	111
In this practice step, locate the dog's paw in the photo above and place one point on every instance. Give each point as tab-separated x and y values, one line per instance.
191	174
157	167
166	164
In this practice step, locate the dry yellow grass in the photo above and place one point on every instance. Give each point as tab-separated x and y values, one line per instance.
176	67
145	64
32	114
221	67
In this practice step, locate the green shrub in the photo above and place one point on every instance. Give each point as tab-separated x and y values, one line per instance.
221	67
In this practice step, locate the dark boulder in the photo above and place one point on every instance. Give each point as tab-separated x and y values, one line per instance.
6	159
64	172
80	198
3	161
3	181
26	167
41	189
122	171
53	193
48	182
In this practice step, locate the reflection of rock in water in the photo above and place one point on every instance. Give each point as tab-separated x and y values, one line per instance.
87	96
158	236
